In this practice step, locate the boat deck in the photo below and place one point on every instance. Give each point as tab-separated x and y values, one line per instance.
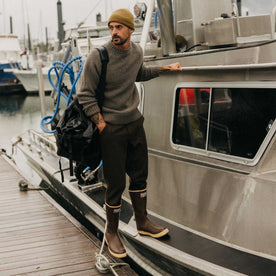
39	237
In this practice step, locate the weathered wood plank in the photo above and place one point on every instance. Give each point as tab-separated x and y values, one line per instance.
45	252
31	227
32	215
28	261
35	241
22	234
63	265
43	232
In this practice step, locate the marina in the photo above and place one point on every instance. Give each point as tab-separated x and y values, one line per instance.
211	144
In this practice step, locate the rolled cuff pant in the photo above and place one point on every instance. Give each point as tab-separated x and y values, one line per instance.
124	150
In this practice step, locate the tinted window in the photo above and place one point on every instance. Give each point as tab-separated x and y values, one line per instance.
191	116
231	121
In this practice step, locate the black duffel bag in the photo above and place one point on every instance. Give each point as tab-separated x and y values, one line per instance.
77	137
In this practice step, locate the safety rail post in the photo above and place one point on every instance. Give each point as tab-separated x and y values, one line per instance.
273	22
41	89
143	42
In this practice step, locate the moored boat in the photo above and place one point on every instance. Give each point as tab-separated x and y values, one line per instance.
29	79
9	59
211	139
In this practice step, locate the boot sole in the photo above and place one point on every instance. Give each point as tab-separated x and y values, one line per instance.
158	235
116	255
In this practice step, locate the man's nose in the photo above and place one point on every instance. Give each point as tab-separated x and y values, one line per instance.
114	31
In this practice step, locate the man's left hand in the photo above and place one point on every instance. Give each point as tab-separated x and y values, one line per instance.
176	67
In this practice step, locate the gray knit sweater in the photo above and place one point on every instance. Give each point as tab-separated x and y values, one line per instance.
120	96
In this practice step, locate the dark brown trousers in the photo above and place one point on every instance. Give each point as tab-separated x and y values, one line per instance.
124	150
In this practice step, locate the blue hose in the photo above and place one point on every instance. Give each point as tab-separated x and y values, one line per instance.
66	68
155	18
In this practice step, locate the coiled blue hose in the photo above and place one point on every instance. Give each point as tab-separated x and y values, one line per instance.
66	68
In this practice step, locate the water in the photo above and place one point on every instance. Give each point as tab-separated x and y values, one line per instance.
19	113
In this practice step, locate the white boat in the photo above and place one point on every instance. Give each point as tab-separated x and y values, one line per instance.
212	147
9	58
29	79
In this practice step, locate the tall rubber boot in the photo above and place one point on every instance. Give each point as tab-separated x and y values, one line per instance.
144	225
112	238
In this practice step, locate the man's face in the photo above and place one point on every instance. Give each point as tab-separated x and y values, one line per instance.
120	33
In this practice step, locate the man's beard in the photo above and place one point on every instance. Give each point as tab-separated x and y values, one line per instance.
121	42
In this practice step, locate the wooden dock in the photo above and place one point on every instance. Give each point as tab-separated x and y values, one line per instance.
38	237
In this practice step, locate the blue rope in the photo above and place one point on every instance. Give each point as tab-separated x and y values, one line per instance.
66	68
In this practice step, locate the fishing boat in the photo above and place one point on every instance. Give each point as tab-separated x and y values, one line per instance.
211	143
9	58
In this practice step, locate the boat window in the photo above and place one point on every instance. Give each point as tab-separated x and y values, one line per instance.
191	118
232	121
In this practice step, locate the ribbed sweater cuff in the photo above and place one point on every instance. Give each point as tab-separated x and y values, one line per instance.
155	72
91	111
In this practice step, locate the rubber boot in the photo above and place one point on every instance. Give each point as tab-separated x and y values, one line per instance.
144	225
112	238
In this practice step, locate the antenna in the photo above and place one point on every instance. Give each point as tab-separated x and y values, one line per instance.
4	21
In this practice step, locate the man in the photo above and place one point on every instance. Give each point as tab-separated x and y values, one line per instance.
120	125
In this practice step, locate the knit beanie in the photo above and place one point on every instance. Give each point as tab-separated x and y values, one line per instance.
122	16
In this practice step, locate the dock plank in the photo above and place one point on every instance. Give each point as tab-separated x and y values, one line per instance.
39	238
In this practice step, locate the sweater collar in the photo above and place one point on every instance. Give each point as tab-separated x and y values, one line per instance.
120	52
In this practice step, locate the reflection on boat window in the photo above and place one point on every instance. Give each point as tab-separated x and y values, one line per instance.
190	126
232	121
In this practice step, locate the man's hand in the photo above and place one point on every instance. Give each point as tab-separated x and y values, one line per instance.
99	121
175	67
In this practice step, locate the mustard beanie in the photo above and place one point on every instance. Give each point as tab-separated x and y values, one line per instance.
124	17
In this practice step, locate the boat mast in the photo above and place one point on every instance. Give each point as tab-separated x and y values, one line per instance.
29	38
11	26
61	33
47	41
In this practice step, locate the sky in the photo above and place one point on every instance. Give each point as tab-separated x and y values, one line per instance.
43	13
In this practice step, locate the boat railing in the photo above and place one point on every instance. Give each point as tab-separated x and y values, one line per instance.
230	66
42	140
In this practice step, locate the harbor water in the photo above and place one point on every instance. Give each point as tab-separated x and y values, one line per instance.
19	113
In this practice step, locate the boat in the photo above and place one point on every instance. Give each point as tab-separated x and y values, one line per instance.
211	142
29	79
9	58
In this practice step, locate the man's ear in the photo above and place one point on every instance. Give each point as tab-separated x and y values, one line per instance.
131	31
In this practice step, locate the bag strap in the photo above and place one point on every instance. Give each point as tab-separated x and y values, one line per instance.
101	85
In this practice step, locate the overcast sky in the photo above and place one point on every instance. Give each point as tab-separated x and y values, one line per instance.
43	13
